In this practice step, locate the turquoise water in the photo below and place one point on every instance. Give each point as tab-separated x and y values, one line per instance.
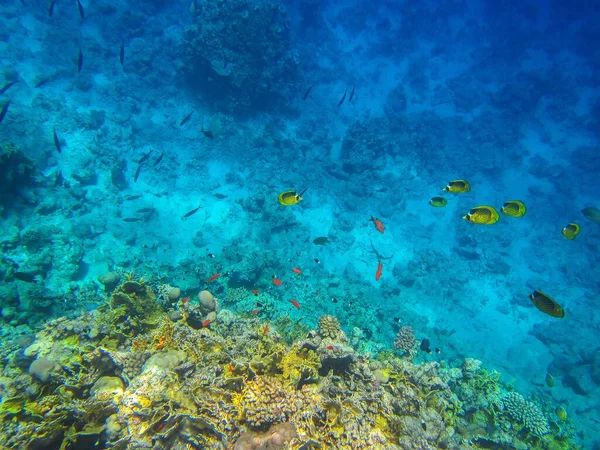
505	97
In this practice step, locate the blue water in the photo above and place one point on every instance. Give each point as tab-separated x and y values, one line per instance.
505	96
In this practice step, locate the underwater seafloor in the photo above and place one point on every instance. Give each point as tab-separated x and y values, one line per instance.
157	294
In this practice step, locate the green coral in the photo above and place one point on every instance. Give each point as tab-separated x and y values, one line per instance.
300	365
132	307
291	329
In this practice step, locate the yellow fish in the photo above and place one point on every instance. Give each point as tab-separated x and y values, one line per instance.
458	186
289	198
561	413
438	202
592	213
482	215
571	231
547	305
514	208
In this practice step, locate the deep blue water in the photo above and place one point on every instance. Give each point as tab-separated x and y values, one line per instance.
374	107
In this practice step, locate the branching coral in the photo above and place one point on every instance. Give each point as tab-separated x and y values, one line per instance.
266	401
526	413
300	365
329	327
405	340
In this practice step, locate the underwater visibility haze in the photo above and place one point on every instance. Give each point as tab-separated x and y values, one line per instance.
301	224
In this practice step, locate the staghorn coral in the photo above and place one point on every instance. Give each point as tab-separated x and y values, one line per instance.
300	365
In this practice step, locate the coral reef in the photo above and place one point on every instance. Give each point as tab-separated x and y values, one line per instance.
239	54
127	376
17	171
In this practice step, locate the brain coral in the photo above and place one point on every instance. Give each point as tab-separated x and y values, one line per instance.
239	54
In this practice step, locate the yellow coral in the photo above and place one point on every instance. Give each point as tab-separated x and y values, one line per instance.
300	364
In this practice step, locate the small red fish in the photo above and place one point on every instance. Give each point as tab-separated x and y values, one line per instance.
378	273
276	281
254	311
295	303
330	347
185	300
378	224
265	329
159	427
296	270
317	293
214	277
206	323
255	291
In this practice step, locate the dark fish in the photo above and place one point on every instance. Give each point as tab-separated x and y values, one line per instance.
437	350
307	92
186	118
211	255
145	210
131	219
351	95
207	133
132	197
43	82
259	305
343	98
8	86
323	240
144	158
592	214
220	196
191	213
334	300
80	60
546	304
4	111
425	345
317	260
137	173
57	142
94	235
51	8
396	319
81	11
26	277
122	53
158	160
